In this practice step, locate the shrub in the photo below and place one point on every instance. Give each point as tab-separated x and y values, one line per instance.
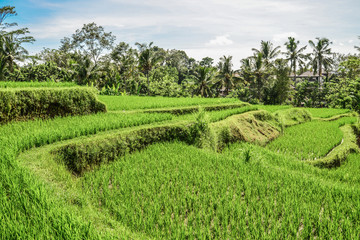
30	103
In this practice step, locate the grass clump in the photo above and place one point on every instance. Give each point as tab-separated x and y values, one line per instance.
202	134
257	127
292	116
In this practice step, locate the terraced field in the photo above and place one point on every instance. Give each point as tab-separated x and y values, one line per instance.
157	168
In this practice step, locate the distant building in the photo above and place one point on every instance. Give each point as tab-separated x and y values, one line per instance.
311	77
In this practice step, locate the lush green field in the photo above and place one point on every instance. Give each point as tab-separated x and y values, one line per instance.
311	140
176	191
172	190
118	103
326	112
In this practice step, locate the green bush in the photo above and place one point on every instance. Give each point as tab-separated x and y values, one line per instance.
202	135
30	103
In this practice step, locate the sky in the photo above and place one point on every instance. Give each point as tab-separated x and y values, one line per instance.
202	28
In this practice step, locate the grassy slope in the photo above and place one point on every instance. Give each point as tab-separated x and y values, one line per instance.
176	191
57	205
28	209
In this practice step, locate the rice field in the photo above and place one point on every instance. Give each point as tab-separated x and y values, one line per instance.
311	140
119	103
174	190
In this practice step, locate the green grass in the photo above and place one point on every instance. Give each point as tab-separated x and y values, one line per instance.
27	209
326	112
119	103
272	108
292	116
310	140
36	84
215	116
173	190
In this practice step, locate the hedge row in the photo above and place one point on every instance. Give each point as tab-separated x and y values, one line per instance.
85	155
193	109
258	126
30	103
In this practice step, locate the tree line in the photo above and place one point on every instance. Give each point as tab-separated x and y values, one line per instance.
91	56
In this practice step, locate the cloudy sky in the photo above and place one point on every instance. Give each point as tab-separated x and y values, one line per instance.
200	27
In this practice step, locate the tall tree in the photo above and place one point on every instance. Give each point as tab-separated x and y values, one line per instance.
281	88
268	51
204	79
322	55
86	46
178	59
256	72
148	59
91	40
227	76
124	57
11	49
295	55
207	62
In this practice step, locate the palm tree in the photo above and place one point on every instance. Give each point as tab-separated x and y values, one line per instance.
226	75
256	72
323	57
203	77
11	50
295	55
268	51
147	60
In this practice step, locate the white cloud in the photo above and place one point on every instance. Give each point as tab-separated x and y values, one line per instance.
189	24
283	37
220	41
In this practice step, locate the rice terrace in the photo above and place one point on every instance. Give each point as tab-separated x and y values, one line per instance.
102	140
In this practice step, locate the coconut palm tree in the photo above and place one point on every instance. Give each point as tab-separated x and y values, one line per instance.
203	77
148	59
226	74
256	72
295	55
322	55
268	51
11	50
